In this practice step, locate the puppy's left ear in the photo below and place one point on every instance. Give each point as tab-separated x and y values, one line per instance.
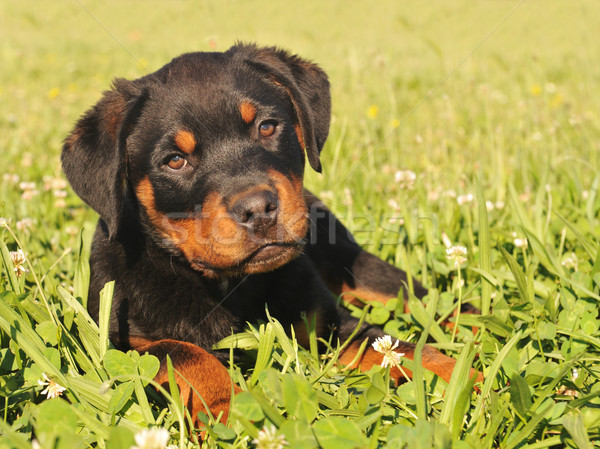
308	88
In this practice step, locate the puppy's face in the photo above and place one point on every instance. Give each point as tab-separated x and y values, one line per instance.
216	164
212	148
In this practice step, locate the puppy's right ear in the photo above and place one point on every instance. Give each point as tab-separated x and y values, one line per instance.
94	156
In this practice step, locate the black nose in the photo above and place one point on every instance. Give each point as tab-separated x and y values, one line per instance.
256	210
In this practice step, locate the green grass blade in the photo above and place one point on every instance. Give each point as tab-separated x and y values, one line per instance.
590	248
140	394
518	275
485	249
490	432
576	428
491	372
9	268
266	343
418	312
81	279
458	382
106	295
516	439
418	378
27	339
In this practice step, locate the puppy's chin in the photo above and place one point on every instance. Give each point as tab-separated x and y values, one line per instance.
264	259
271	257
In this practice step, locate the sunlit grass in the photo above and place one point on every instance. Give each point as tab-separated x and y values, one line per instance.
443	135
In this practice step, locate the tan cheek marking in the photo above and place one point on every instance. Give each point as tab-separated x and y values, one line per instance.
248	112
292	213
186	141
212	237
145	194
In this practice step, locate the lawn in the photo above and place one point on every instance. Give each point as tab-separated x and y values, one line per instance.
493	105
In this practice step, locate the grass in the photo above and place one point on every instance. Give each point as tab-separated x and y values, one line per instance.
493	105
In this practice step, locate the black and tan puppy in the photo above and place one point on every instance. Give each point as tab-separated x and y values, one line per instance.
196	171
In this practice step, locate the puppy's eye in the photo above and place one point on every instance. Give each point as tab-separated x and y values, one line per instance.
176	162
267	129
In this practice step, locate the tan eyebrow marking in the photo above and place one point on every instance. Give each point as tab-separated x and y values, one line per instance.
186	141
248	111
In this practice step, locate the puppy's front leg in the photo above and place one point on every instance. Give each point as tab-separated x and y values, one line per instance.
194	365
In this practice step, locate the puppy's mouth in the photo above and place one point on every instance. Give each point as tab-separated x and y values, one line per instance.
267	257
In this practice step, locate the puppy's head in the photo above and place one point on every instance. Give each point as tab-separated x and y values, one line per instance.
208	152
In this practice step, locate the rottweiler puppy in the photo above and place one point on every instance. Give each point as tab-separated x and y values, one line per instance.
196	171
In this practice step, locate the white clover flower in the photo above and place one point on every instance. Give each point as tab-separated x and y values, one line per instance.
52	390
58	184
571	262
465	199
29	194
489	206
24	186
521	242
24	224
396	220
11	178
72	230
385	346
3	222
499	205
457	254
433	195
327	195
524	197
18	259
450	193
405	179
269	439
59	193
154	438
